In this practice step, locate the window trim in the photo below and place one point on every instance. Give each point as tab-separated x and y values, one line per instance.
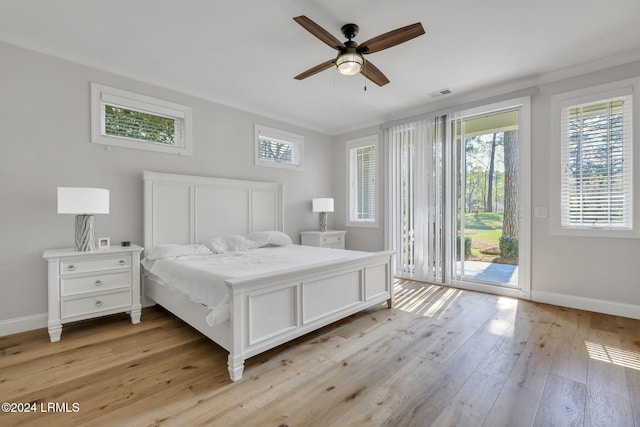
297	141
349	146
577	97
101	93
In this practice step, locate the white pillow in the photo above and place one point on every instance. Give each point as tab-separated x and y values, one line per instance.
216	245
230	243
167	251
269	238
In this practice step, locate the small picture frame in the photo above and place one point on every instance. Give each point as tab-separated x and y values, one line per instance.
104	243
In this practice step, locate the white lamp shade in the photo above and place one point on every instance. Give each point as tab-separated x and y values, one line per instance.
322	205
83	201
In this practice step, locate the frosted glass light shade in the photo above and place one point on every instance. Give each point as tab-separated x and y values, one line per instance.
322	205
349	63
83	201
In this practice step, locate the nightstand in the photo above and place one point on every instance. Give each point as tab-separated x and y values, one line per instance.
324	239
83	285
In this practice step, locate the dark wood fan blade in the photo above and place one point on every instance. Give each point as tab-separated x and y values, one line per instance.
315	70
374	74
392	38
319	32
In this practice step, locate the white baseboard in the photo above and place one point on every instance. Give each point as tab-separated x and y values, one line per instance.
23	324
589	304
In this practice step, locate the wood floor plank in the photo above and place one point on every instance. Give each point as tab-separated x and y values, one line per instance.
439	357
563	403
629	335
604	322
607	390
572	359
472	403
519	399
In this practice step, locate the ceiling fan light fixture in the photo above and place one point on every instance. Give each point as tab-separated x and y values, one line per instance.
349	63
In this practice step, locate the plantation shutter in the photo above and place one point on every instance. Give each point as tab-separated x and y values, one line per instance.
363	183
596	153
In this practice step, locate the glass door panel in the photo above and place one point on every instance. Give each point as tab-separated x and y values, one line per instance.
485	213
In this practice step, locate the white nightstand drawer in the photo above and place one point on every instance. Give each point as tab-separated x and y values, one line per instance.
96	282
94	304
330	241
87	265
334	239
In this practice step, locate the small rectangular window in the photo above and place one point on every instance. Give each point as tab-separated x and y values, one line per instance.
362	165
278	148
127	119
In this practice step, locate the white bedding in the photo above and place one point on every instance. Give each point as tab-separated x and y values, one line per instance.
202	277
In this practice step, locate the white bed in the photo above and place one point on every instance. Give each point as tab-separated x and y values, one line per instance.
264	307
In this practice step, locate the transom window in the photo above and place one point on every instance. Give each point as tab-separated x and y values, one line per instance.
127	119
278	148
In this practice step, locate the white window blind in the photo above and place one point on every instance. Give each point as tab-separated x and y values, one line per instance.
363	170
278	148
596	163
277	151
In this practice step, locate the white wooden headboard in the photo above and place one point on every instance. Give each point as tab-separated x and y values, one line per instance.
185	209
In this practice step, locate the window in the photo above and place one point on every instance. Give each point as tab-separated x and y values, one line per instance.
596	162
278	148
362	170
126	119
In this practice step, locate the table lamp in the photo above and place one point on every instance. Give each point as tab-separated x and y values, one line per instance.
322	205
84	203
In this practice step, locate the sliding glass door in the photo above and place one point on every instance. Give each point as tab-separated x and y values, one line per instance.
486	208
458	192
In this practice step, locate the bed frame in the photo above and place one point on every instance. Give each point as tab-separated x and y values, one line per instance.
267	310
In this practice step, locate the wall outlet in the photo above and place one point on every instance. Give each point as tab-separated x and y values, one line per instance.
541	212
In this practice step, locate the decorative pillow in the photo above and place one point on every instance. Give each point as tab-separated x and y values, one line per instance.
269	238
230	243
167	251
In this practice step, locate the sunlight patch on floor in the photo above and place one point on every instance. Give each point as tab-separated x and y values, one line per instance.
614	355
424	299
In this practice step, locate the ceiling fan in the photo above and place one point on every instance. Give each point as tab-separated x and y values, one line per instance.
350	60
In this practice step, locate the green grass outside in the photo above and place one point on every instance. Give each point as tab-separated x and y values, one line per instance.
485	230
483	221
483	227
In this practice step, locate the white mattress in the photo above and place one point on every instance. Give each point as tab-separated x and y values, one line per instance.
202	277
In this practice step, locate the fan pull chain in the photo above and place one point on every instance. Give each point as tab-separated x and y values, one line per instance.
364	65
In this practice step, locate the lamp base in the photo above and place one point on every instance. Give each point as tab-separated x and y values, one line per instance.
323	221
85	234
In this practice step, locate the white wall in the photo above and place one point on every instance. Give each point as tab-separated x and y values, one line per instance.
599	274
45	143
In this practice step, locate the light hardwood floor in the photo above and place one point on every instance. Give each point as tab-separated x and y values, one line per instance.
440	357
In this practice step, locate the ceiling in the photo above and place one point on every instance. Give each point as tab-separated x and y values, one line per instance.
245	53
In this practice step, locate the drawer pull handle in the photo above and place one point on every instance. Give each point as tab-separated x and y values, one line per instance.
98	282
71	267
122	262
339	238
99	303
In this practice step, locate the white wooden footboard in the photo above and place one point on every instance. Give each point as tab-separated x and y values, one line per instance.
269	311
